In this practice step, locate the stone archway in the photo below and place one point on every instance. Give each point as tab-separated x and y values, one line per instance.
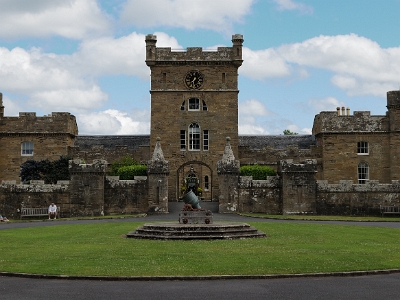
198	170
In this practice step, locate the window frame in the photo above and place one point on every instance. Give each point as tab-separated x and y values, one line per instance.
182	138
206	140
27	148
196	104
194	137
362	148
362	172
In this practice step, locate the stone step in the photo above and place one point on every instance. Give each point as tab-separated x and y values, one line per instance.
175	231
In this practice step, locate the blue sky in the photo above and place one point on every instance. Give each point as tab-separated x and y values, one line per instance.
301	57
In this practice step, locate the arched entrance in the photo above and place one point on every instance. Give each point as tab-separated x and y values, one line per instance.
195	175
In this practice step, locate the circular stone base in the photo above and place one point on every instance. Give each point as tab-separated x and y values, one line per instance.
176	231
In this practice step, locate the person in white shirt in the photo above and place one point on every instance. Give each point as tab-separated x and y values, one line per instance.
52	211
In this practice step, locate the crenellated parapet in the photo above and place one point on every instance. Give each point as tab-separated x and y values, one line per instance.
360	121
97	167
348	186
288	166
157	55
56	123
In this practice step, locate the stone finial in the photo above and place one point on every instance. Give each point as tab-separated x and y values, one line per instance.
228	164
158	164
158	154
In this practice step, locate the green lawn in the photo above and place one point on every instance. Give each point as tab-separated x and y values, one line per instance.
102	250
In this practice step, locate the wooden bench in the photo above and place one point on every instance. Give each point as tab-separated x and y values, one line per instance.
390	210
36	211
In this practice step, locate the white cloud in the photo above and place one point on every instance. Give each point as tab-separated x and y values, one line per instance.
208	14
253	107
250	115
359	66
115	56
292	5
11	108
327	104
263	64
73	19
114	122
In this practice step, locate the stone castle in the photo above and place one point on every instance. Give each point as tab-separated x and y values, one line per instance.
349	165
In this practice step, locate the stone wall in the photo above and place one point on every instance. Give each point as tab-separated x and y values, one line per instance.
347	198
126	196
37	194
260	196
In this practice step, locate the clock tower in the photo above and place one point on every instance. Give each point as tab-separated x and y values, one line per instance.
194	108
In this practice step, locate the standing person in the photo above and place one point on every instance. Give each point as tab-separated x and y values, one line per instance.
52	211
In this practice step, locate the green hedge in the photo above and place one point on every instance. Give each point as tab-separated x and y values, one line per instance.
129	172
258	172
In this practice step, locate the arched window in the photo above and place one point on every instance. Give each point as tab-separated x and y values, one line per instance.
194	104
363	172
183	105
194	136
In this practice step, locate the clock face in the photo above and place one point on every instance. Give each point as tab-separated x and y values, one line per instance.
194	79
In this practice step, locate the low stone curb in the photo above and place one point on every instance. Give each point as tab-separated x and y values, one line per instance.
216	277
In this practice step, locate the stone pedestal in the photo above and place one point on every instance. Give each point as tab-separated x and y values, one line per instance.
196	217
158	171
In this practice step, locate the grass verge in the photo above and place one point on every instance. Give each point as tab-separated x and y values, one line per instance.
324	218
101	250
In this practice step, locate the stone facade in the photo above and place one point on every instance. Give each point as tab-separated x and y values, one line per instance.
349	165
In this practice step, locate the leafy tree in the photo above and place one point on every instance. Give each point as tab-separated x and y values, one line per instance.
30	170
258	172
288	132
49	171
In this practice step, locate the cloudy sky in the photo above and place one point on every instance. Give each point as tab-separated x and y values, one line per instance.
87	57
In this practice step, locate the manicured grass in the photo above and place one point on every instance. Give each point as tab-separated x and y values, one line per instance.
324	218
101	250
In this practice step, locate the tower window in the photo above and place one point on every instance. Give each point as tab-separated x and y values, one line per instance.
194	136
183	105
223	77
205	140
363	172
362	148
204	106
194	104
183	139
27	148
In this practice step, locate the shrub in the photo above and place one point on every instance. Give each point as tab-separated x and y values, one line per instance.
123	162
258	172
129	172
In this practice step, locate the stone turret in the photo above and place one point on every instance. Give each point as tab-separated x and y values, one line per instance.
158	171
228	170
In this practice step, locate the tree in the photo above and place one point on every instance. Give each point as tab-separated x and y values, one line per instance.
288	132
49	171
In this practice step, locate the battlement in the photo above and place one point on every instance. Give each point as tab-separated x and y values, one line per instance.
393	99
288	166
360	121
155	55
28	122
97	167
